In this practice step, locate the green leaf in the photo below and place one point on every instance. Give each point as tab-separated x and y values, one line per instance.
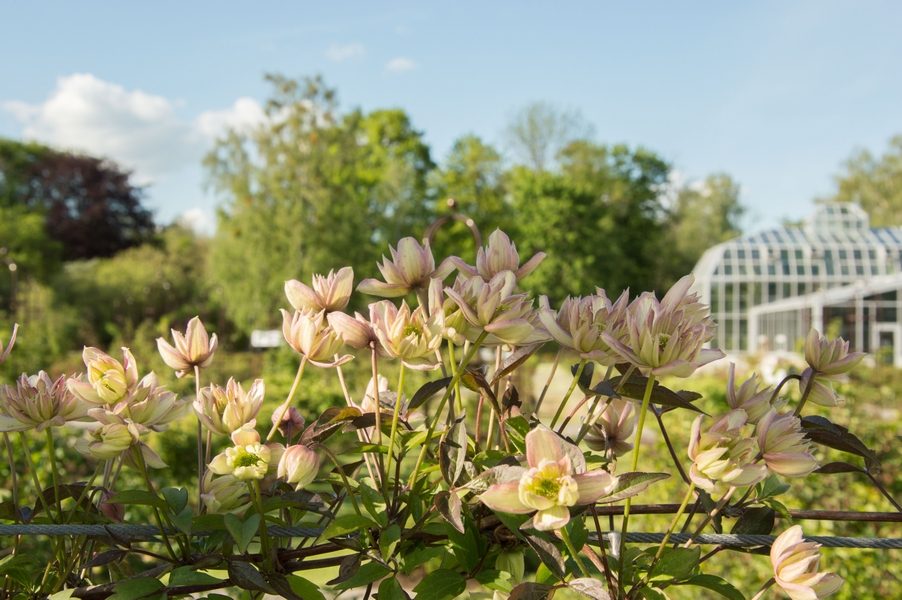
188	575
366	574
631	484
449	506
388	539
676	563
390	589
441	585
579	535
139	497
772	486
826	433
242	531
494	580
549	555
634	388
346	524
755	521
716	584
374	503
520	356
839	467
138	587
246	576
184	520
305	588
176	498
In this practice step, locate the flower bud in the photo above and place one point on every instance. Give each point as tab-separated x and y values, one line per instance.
108	441
329	293
113	511
225	494
192	349
291	423
298	466
796	563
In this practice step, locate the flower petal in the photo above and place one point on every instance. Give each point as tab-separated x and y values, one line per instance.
543	444
594	485
504	497
551	518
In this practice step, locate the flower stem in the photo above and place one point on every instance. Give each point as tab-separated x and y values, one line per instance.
574	554
557	358
807	392
34	475
394	421
560	408
646	399
51	450
673	524
764	589
200	439
281	410
264	536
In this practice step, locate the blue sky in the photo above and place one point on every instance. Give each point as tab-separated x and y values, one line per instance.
777	94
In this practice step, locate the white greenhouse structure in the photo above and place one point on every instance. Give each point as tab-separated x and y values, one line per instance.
835	273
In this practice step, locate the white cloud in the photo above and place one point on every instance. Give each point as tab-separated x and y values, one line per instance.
400	64
199	220
343	52
139	130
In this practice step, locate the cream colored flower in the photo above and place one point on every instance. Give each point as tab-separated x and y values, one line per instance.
723	454
555	480
411	268
298	466
666	337
406	334
226	409
310	335
193	348
38	402
755	401
494	307
579	323
613	427
498	256
225	494
783	445
109	440
247	460
107	380
356	331
796	564
150	405
829	357
328	293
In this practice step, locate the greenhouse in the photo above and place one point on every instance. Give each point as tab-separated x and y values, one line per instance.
834	272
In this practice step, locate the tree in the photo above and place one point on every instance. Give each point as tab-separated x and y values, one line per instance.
874	183
308	189
702	216
540	130
599	218
89	205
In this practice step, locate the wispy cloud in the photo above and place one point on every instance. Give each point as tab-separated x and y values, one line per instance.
400	64
343	52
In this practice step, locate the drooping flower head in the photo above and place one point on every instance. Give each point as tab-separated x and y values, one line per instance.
107	380
298	466
796	564
149	406
554	480
498	256
328	293
225	494
410	268
579	323
829	357
783	445
226	409
724	453
311	336
194	348
38	402
749	396
109	440
666	337
290	422
613	427
408	335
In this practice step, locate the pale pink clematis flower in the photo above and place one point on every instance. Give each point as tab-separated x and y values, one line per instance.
783	445
311	336
409	335
107	380
411	268
247	460
723	454
749	397
192	349
223	410
356	331
666	337
554	480
613	428
328	293
829	357
579	323
38	402
498	256
796	563
298	466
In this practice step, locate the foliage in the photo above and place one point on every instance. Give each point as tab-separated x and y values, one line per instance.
90	206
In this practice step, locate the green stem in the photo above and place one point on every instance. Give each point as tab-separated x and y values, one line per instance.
673	524
200	439
34	475
284	407
394	422
455	380
764	589
805	394
264	536
574	554
646	399
152	489
51	451
560	408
